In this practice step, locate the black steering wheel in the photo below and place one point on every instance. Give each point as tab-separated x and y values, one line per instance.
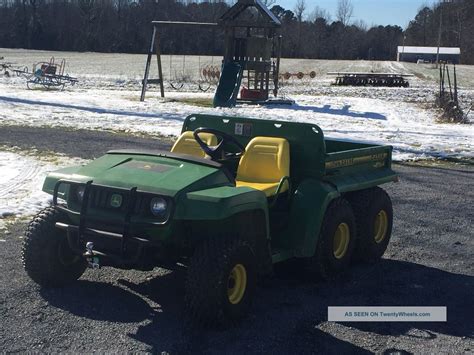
217	152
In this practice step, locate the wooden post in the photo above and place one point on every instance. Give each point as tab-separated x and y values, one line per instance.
440	84
147	67
276	78
443	71
455	87
158	60
449	83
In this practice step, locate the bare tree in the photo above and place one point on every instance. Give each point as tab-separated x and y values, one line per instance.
362	25
319	13
268	3
300	9
344	11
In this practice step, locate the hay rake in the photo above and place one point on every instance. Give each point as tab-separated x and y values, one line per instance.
49	75
298	75
209	76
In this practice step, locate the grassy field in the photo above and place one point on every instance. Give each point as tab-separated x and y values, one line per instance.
128	66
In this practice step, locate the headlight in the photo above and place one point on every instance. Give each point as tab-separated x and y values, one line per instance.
158	206
80	193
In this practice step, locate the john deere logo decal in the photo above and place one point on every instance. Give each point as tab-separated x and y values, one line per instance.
116	201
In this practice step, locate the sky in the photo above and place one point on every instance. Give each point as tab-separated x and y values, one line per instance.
372	12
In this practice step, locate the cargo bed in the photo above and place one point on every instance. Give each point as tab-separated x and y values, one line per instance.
352	166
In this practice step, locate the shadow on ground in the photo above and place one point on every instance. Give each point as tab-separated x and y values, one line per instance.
286	312
90	109
327	109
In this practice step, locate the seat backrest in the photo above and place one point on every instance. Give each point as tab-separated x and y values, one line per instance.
186	144
266	159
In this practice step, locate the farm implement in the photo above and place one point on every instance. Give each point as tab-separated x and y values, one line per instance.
6	67
232	198
371	79
49	75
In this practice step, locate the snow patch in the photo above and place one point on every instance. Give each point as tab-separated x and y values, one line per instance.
21	182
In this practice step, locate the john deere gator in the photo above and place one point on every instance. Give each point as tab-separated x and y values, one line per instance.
233	197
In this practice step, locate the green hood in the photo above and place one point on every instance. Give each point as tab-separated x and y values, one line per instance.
160	173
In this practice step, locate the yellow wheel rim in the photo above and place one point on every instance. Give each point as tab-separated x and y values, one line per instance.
341	240
380	226
237	284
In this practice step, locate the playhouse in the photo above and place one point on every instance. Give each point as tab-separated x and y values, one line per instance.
251	59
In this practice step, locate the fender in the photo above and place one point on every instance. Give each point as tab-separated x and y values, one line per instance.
66	173
310	202
220	203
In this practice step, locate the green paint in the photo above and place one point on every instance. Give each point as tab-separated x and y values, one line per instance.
204	199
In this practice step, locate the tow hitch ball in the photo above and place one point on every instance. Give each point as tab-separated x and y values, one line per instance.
92	261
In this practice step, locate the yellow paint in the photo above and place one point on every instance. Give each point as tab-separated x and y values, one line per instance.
265	162
237	284
380	226
342	237
186	144
357	160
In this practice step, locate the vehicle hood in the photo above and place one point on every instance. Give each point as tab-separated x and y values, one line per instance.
158	173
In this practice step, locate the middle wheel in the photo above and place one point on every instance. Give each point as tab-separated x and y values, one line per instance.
336	240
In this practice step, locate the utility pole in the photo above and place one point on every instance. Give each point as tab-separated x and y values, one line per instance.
403	50
439	32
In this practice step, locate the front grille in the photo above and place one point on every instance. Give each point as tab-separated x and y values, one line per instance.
101	198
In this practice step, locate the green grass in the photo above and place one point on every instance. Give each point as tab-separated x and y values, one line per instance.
195	101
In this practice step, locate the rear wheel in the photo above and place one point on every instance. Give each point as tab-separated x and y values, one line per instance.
374	219
336	240
47	257
221	281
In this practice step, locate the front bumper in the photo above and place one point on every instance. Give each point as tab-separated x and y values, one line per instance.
118	243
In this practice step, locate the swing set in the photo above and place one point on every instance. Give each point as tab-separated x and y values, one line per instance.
155	50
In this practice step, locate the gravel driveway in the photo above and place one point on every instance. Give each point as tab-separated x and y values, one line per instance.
429	262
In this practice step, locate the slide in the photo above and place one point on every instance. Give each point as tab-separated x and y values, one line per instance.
229	85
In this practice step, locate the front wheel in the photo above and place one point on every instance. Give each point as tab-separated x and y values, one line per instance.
47	257
221	281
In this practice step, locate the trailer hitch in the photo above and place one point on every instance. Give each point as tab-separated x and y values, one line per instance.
92	260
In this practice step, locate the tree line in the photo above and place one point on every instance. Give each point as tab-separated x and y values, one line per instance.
450	23
124	26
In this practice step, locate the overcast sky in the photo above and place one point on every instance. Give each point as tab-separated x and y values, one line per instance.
373	12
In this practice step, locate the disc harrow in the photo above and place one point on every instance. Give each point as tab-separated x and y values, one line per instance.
371	79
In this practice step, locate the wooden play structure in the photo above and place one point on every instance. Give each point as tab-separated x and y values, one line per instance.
252	54
251	60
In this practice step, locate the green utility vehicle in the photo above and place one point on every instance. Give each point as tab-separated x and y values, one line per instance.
233	197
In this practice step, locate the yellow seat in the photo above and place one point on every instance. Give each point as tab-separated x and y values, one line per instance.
186	144
265	162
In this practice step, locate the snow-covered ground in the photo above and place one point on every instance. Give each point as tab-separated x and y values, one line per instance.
21	178
410	128
107	98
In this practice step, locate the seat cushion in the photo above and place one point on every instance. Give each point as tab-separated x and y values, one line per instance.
269	189
265	162
186	144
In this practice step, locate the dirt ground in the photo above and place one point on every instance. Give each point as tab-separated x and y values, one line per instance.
429	262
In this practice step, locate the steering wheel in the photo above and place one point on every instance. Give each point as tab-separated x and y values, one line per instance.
217	152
